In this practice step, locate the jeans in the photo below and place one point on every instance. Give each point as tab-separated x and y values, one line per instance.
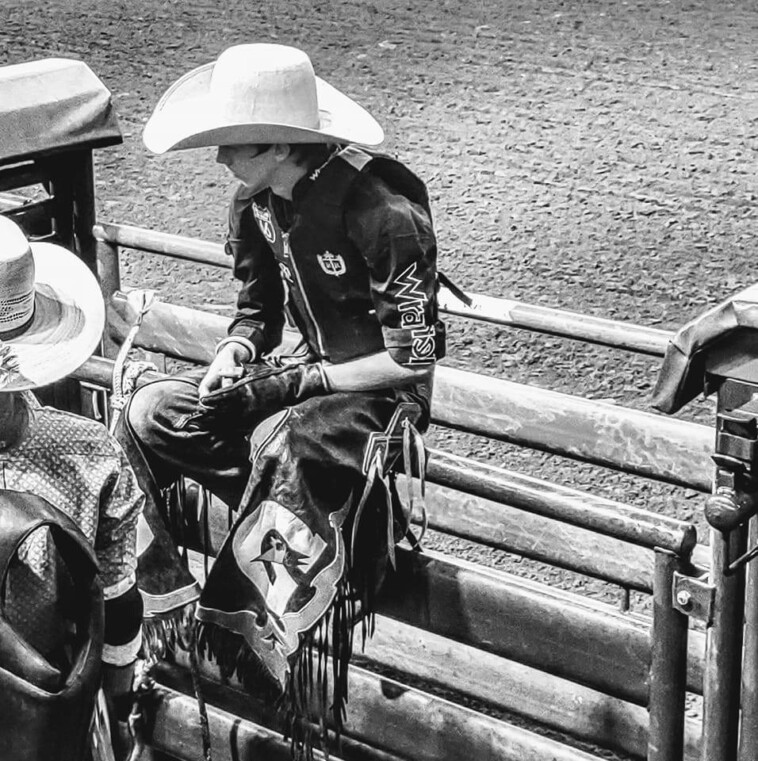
157	417
322	439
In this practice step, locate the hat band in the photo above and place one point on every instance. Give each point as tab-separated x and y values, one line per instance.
15	314
17	330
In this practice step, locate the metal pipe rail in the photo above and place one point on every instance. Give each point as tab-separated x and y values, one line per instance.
604	516
376	703
557	322
436	592
646	444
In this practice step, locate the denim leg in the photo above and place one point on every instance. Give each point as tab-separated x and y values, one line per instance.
157	417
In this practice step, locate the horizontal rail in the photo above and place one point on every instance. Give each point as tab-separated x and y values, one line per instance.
588	511
383	714
642	443
533	694
646	444
21	174
557	322
176	731
514	618
517	531
605	516
523	621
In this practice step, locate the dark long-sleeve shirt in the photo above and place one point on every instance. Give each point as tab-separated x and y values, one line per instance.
352	259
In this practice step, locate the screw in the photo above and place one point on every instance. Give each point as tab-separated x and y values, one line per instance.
684	599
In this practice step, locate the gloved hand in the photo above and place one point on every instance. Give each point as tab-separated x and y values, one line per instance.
262	391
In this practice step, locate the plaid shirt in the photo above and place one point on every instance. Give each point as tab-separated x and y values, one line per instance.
76	465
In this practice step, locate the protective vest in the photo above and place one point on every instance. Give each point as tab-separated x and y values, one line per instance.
328	295
46	710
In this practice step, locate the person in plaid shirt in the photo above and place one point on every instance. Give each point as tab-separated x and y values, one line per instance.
51	319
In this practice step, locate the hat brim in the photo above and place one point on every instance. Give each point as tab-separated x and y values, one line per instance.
69	315
187	117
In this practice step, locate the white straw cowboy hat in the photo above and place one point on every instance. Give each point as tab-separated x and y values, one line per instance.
51	311
256	94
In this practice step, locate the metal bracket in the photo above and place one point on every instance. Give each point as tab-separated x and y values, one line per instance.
693	597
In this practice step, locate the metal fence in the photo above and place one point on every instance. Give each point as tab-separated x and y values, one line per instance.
601	675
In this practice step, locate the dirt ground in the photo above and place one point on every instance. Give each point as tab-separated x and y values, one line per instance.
598	156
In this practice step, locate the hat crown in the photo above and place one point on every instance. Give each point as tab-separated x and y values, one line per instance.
16	278
265	83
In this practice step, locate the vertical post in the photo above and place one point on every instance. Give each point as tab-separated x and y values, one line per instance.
59	171
109	274
668	667
59	184
82	179
748	749
721	697
83	199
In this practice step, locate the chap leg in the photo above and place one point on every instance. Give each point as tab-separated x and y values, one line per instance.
157	417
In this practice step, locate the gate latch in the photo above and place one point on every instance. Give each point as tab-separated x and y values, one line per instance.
694	597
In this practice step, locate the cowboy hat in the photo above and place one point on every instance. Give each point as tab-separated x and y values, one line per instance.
51	311
256	94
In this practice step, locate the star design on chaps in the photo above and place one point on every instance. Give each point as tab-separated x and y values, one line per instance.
276	551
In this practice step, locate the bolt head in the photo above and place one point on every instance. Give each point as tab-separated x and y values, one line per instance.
684	598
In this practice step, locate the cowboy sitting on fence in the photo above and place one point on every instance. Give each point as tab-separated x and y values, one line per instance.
339	242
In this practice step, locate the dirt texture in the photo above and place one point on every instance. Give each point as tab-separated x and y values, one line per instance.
597	156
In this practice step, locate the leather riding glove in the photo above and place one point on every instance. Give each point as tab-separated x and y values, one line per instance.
261	392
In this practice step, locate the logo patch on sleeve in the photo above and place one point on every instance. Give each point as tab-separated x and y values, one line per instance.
412	301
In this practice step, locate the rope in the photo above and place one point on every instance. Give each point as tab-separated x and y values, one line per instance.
125	376
142	688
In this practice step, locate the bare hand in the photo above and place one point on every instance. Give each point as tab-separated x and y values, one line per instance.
227	366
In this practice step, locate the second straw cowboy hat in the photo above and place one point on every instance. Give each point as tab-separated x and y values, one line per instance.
51	311
256	93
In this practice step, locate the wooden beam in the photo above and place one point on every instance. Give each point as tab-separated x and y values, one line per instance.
535	695
559	632
530	693
176	731
397	719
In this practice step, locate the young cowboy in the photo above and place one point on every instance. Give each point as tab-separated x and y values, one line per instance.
338	242
51	319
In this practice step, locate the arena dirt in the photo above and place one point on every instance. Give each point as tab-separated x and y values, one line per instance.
597	156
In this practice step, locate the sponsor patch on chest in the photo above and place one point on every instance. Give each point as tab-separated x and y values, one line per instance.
265	222
332	264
